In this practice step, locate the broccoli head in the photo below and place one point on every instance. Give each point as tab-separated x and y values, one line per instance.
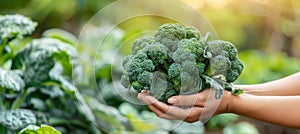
178	60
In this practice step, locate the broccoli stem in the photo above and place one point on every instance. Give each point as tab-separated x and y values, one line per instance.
1	52
2	129
18	102
2	91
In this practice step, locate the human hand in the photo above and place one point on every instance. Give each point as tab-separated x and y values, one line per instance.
194	105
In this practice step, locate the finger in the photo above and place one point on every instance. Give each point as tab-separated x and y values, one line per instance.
161	114
198	99
189	114
186	100
174	111
143	97
145	92
171	112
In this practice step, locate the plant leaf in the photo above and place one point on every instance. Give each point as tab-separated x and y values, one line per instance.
15	26
57	50
44	129
38	68
61	35
17	119
11	80
55	74
52	91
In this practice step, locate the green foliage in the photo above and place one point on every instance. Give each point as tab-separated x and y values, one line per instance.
267	67
241	128
50	49
17	119
35	85
14	26
32	129
12	80
178	60
60	35
220	121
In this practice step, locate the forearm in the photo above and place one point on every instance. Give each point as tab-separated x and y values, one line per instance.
283	87
282	110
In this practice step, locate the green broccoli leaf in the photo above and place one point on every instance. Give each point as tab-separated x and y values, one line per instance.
43	129
17	119
11	80
38	68
53	48
55	74
15	26
61	35
207	37
237	91
52	91
110	117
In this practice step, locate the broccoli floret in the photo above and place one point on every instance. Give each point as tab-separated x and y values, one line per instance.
158	53
137	70
170	34
220	47
144	78
235	70
174	74
192	32
219	66
201	67
170	92
141	43
182	54
126	59
194	46
15	26
224	60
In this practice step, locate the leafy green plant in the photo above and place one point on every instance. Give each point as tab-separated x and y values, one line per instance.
266	66
32	129
35	83
240	128
178	60
220	121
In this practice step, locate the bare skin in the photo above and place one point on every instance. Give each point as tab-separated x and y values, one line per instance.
276	102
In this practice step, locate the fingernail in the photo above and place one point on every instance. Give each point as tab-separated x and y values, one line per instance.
144	91
172	101
139	96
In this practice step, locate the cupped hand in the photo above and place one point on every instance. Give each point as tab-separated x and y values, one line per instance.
185	107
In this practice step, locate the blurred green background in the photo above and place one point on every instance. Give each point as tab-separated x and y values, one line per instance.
266	33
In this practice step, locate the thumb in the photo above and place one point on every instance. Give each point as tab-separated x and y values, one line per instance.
185	100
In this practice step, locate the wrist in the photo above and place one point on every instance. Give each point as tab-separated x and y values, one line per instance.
229	101
226	103
255	89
